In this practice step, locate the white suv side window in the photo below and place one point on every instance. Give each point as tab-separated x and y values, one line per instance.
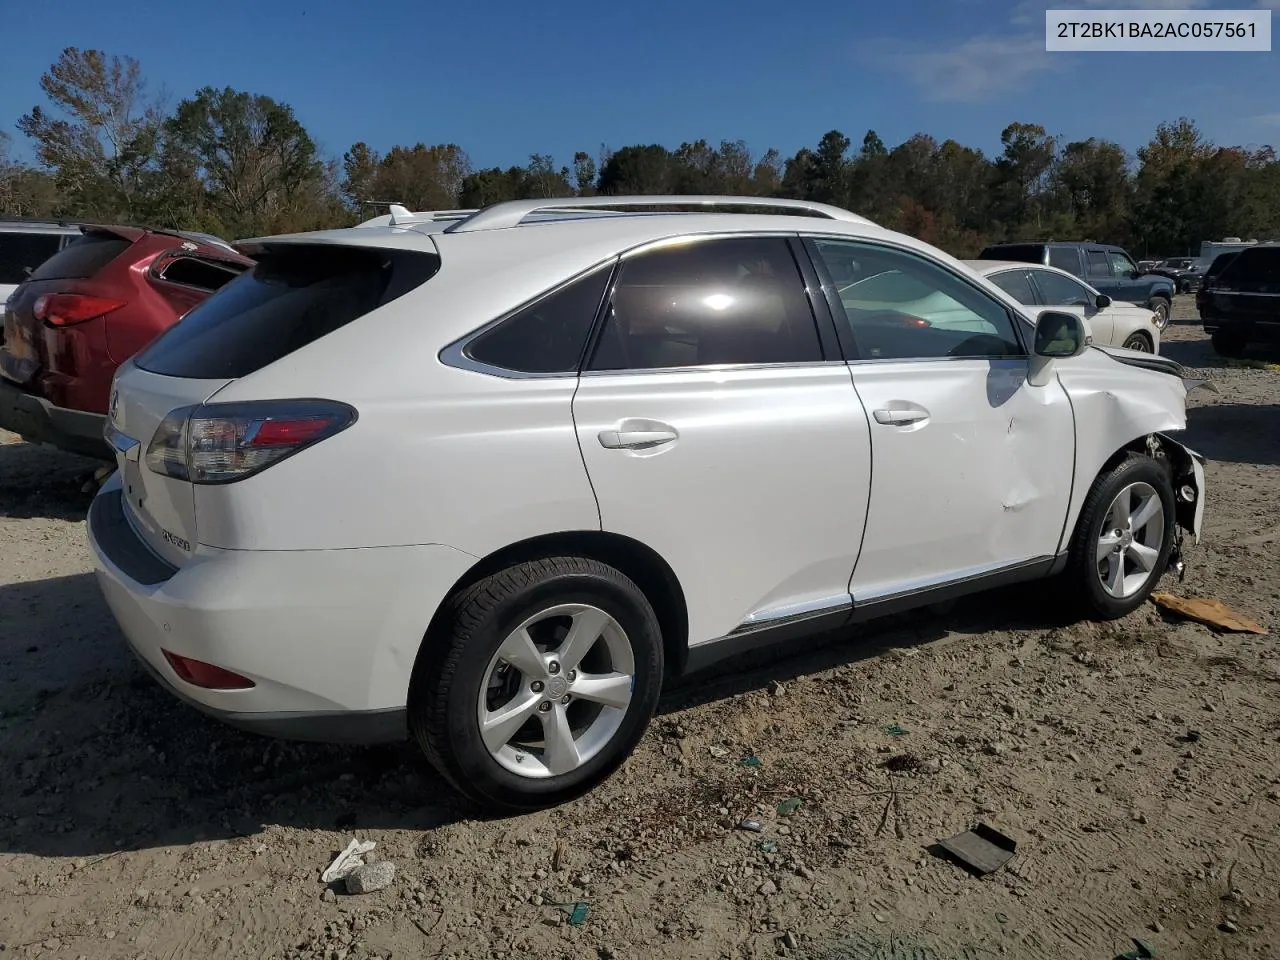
737	300
899	306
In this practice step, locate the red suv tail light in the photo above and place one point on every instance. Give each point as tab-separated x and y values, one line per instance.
68	309
225	442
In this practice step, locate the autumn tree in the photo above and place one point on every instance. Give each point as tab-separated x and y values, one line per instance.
98	135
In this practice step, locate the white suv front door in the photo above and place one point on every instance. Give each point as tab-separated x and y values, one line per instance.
971	465
716	432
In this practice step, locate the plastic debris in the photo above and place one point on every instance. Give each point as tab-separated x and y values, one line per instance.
1212	613
578	915
754	826
895	730
768	846
752	761
347	860
981	850
789	806
718	752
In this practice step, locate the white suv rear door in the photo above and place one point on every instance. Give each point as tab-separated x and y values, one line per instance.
719	429
972	466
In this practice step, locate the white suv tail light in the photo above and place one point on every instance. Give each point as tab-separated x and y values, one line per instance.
225	442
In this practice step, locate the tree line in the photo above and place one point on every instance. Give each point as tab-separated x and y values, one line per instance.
241	164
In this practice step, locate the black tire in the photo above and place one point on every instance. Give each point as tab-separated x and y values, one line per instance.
451	669
1082	574
1139	341
1163	309
1229	343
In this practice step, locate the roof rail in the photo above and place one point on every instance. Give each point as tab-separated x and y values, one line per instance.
401	216
513	212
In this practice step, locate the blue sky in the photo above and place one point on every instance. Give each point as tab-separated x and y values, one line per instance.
504	79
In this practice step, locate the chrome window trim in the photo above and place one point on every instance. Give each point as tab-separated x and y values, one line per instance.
455	354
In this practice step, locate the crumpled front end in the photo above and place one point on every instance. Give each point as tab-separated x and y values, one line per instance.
1138	403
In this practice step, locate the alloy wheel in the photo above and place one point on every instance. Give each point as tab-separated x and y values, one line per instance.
556	691
1131	540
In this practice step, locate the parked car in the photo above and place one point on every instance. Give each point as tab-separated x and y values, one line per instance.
91	305
1242	305
1108	269
1048	288
1181	270
1210	279
488	480
24	245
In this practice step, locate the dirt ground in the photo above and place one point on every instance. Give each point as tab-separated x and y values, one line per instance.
1137	764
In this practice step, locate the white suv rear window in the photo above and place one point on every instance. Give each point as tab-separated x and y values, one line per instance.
296	294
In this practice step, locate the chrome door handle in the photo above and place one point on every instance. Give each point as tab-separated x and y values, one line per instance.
631	439
900	416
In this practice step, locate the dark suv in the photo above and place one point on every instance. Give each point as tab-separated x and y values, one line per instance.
1242	304
1108	269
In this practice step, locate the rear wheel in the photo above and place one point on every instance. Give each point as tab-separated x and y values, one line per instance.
1138	341
1228	343
1123	538
540	683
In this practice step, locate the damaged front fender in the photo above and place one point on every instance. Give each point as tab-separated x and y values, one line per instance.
1131	405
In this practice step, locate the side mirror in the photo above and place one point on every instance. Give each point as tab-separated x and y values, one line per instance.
1103	301
1060	335
1134	274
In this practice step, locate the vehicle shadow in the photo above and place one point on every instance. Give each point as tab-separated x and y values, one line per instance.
1200	354
99	759
38	481
1235	432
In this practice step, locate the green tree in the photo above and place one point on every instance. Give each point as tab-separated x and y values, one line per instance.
766	175
1021	179
1166	188
24	192
257	168
584	174
638	170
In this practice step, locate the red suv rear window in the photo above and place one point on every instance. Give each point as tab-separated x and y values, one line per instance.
82	257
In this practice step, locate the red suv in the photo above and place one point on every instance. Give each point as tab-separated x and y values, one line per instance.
86	310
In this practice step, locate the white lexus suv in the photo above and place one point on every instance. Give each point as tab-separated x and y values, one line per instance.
486	478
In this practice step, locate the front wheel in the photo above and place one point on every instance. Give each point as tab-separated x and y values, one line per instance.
1161	308
1123	538
539	684
1140	342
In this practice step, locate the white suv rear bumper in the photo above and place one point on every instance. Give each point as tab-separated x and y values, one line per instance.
329	637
